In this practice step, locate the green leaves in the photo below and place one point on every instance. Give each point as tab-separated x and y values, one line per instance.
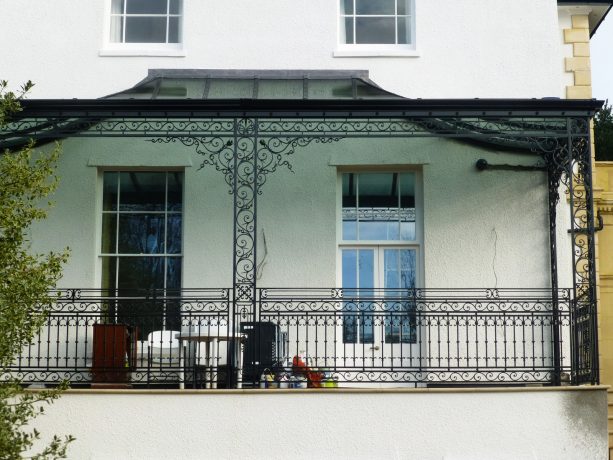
27	179
9	101
17	408
25	279
603	133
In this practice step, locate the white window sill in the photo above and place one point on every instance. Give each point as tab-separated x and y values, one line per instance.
110	52
375	52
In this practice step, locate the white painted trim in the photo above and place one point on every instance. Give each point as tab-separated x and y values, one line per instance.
395	51
417	243
377	50
108	52
111	49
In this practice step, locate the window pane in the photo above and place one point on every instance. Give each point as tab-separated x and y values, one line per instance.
141	234
117	29
403	7
175	6
349	30
349	211
407	269
399	274
366	277
350	272
392	268
375	6
375	30
366	270
137	277
346	6
142	191
145	29
174	229
146	7
350	323
109	233
404	32
378	207
407	206
109	194
173	273
175	191
109	273
173	30
137	273
358	272
117	6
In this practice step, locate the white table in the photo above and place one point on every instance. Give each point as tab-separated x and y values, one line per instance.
211	338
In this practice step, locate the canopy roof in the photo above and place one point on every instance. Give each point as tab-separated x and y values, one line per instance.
294	103
255	84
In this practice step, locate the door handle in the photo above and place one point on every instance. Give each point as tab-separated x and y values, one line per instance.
376	347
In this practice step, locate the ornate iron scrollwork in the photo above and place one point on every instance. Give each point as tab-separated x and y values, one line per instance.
259	147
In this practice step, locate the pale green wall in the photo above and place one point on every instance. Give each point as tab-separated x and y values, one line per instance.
297	212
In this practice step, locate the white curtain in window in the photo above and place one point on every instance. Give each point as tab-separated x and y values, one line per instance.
117	7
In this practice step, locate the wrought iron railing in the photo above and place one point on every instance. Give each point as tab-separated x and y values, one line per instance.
304	337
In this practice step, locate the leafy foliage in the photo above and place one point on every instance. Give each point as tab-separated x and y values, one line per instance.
603	133
25	283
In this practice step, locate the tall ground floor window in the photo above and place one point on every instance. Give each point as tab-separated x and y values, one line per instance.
141	247
379	254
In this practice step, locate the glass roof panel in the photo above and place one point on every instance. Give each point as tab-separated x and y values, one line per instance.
188	88
281	89
331	89
230	89
255	84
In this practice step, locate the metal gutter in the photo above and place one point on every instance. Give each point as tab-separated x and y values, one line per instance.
187	108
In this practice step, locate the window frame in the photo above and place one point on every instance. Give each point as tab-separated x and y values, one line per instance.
165	213
111	48
416	244
344	49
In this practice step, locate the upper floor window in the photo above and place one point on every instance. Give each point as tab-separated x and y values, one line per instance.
146	21
376	22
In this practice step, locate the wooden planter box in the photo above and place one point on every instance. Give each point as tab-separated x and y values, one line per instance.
114	354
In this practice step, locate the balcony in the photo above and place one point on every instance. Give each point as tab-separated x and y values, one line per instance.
207	338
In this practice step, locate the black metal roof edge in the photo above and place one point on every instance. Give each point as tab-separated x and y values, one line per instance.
160	105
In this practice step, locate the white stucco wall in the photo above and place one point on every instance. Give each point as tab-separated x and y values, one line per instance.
536	424
464	49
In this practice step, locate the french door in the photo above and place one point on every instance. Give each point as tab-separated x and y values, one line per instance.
378	312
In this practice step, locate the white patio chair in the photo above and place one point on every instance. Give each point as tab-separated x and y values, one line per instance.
164	347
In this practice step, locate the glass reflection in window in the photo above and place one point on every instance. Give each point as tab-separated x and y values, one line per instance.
378	206
141	245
